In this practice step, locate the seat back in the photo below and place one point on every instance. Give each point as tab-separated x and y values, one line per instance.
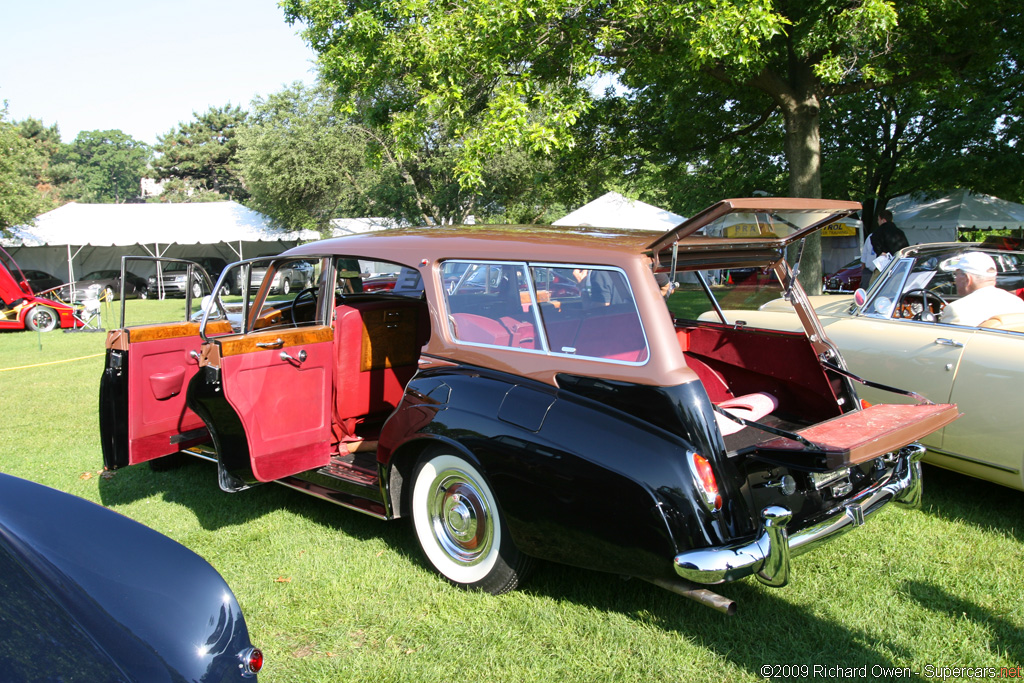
377	349
1005	321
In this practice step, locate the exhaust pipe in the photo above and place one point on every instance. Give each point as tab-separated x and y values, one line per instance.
697	594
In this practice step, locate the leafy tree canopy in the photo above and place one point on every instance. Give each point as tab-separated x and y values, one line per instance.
203	155
102	166
298	159
22	167
305	163
520	72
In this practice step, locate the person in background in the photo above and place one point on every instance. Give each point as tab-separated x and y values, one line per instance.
665	284
886	239
975	277
867	262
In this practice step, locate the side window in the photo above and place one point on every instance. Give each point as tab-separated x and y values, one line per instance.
887	296
489	303
363	276
580	311
589	312
291	288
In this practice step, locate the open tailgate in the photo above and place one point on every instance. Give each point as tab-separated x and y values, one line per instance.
863	435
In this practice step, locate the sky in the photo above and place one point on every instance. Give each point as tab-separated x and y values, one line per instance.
142	66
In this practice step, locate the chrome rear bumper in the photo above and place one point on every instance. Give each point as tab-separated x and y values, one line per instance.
768	555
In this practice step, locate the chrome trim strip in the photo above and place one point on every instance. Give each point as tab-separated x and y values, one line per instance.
768	555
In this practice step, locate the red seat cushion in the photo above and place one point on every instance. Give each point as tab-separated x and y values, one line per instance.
748	407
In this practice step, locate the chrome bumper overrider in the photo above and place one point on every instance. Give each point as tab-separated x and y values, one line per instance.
768	555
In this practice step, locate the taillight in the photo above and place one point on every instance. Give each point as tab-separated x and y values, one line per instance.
704	476
252	661
864	405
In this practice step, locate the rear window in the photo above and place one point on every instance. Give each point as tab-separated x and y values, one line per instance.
557	309
736	289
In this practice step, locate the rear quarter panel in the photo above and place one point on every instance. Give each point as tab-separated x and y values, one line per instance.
578	482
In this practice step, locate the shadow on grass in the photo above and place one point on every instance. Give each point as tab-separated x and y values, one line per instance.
766	630
1006	636
956	497
194	486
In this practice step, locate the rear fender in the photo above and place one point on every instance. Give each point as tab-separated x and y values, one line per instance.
578	482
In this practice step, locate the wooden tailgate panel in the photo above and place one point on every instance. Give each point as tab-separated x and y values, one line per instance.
866	434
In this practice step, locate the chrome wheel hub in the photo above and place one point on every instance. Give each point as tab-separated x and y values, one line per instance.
460	517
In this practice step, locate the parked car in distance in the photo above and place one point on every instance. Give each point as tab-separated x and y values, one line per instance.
292	277
893	333
514	414
90	595
21	309
40	281
846	279
172	280
106	285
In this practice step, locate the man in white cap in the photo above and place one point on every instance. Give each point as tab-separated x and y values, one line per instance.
975	277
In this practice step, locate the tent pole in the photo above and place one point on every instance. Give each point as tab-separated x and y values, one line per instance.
71	276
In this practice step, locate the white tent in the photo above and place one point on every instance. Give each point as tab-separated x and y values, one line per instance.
77	238
612	210
938	220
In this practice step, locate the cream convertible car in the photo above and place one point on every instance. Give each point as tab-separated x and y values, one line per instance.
895	336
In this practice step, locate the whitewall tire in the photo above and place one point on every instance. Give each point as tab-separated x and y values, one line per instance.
459	526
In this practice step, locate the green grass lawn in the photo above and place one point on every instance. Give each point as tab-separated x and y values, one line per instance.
332	595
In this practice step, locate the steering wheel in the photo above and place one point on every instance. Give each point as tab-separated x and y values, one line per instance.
295	302
906	306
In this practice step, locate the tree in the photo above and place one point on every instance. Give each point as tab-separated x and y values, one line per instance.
518	73
102	166
924	140
202	154
47	143
305	163
22	164
298	160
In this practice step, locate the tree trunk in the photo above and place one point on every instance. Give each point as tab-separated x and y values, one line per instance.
803	154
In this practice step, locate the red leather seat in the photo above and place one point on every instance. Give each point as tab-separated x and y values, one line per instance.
377	348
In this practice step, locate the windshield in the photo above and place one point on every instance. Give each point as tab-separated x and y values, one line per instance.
102	275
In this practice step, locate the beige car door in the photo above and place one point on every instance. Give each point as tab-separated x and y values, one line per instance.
907	354
988	441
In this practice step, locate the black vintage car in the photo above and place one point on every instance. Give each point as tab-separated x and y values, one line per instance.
89	595
523	392
41	281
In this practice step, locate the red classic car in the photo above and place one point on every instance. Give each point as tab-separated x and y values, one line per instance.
514	414
21	309
846	279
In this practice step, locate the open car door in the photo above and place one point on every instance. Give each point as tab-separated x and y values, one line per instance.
142	392
265	390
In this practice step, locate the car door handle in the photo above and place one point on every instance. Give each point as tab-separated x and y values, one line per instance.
277	343
949	342
291	359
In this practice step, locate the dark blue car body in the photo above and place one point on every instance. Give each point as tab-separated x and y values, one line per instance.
90	595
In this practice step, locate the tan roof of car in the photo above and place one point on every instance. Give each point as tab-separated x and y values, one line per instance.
522	242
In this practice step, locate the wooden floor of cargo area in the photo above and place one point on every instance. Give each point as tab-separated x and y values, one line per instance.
866	434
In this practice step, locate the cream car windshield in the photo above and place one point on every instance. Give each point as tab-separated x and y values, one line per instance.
887	295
